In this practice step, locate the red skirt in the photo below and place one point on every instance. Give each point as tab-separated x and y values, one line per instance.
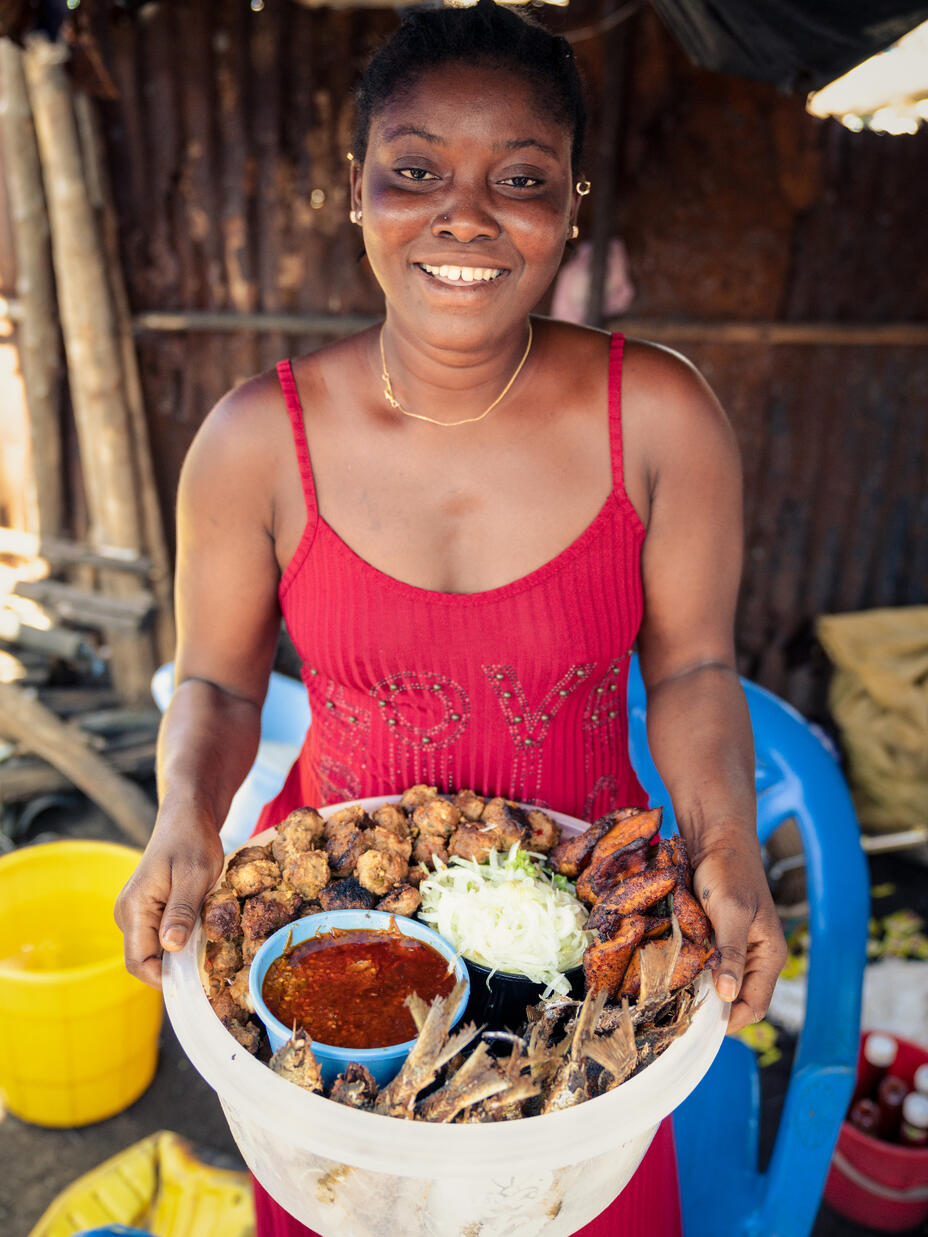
649	1206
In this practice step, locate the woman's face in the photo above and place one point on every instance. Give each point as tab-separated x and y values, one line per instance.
467	201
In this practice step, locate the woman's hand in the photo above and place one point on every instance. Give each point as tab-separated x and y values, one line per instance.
158	907
729	881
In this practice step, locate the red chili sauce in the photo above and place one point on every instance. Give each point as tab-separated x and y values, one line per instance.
348	988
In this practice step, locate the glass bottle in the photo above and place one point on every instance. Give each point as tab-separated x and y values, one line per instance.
879	1052
890	1095
913	1128
865	1116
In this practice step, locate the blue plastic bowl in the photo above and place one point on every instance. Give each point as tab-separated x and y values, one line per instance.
383	1063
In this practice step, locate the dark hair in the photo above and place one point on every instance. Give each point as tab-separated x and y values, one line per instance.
485	33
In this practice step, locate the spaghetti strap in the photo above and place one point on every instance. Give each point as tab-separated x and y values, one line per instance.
295	411
616	352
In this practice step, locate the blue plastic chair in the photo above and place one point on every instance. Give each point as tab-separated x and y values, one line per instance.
285	719
717	1127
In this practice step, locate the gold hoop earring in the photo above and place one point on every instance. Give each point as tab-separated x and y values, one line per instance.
583	187
573	233
355	216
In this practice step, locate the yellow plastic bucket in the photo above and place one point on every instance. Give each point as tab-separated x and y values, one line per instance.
78	1035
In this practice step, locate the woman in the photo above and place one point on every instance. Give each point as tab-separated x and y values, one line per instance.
467	517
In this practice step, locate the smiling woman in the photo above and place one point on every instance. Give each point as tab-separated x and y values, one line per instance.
467	517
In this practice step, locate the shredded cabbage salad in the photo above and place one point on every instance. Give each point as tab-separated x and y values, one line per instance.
508	914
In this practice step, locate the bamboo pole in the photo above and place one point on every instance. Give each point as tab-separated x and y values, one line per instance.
38	339
160	578
25	720
91	344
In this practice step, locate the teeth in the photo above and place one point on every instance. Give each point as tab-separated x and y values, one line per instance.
463	274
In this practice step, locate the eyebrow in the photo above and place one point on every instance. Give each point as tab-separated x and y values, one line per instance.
399	131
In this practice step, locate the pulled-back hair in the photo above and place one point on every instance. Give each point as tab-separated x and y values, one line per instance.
485	35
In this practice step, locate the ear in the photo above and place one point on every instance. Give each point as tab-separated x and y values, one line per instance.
354	181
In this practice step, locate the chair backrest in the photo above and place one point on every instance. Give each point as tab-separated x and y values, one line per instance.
797	777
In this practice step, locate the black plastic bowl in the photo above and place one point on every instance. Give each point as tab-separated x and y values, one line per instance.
498	999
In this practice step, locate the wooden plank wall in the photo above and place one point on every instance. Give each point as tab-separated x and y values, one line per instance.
227	146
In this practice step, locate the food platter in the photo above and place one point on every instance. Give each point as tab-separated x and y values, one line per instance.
347	1172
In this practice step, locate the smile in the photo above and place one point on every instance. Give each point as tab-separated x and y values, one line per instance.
462	274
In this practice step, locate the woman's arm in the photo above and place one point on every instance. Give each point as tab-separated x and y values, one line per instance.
699	729
228	621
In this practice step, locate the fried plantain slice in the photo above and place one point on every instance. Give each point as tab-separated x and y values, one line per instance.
693	921
599	877
638	893
640	827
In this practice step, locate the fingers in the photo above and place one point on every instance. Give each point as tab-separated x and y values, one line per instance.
766	958
138	914
158	908
190	883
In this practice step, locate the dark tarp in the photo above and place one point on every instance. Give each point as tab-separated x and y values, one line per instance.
797	44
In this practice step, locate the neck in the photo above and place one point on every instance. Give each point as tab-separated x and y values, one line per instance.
449	382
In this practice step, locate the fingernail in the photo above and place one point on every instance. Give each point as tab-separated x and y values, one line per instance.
174	937
727	987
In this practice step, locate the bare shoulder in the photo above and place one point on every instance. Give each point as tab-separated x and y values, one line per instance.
669	410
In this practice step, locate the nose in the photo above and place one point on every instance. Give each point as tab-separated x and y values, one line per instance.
465	218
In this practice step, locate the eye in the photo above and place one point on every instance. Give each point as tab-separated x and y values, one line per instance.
521	182
416	174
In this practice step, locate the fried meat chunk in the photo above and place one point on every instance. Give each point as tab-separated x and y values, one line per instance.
307	872
404	899
248	1035
226	1008
474	842
250	947
303	829
347	894
251	870
428	848
221	915
354	814
390	816
437	816
469	803
508	820
606	961
268	911
344	847
386	840
239	990
544	833
222	958
415	795
379	870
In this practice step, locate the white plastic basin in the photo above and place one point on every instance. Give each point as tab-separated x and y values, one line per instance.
347	1173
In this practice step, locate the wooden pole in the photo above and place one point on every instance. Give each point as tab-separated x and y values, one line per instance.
26	721
91	345
160	576
38	339
607	155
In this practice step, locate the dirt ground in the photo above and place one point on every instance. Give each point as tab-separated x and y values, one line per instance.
38	1163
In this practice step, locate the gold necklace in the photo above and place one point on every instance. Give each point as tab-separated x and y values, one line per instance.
394	402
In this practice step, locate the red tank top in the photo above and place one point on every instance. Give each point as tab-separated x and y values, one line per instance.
517	691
